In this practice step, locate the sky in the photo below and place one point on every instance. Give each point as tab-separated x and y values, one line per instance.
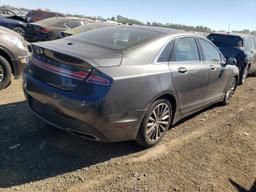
216	14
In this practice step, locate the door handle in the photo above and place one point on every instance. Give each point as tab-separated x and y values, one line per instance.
182	70
212	67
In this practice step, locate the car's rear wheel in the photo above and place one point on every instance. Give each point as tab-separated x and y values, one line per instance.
19	30
5	73
155	123
230	92
243	74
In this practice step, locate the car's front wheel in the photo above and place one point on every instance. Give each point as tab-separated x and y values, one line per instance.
5	73
243	74
155	123
230	91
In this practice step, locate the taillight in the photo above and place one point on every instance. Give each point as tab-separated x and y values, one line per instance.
78	75
44	30
94	79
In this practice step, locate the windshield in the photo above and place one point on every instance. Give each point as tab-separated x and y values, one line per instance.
118	38
226	40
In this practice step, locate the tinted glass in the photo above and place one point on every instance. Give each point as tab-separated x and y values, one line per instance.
165	55
226	40
210	52
73	24
53	22
185	49
118	38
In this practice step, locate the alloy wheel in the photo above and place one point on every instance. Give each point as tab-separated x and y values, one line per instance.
158	122
231	90
1	73
245	74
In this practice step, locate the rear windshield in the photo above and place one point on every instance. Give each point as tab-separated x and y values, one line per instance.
45	14
226	40
53	22
118	38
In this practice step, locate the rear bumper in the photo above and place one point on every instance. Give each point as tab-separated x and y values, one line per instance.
76	116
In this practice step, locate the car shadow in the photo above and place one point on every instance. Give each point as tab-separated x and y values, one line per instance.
242	189
214	106
31	150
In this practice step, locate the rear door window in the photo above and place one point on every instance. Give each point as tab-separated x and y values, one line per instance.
73	24
185	49
209	51
166	53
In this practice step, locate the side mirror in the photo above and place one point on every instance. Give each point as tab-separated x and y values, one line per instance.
231	61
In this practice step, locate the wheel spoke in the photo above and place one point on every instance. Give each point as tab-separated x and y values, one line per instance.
150	124
165	112
158	121
165	117
151	119
162	128
163	122
156	133
151	129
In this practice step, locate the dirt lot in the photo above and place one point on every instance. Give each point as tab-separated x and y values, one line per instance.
214	150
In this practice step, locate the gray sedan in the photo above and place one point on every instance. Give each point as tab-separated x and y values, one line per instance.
126	82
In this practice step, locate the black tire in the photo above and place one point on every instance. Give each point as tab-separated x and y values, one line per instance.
5	73
159	126
230	91
243	74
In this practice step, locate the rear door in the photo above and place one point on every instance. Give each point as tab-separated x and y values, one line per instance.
218	78
248	47
253	51
189	73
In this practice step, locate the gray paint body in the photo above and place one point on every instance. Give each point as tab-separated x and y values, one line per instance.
138	80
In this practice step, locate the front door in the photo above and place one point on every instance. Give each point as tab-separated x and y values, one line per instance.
218	79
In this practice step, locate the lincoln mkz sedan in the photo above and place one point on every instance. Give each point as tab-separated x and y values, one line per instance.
126	82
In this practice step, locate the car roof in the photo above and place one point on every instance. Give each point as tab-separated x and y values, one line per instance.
242	35
163	30
55	21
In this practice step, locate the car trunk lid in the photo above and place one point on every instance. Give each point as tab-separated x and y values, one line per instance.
66	68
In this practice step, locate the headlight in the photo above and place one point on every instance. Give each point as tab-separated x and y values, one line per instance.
16	41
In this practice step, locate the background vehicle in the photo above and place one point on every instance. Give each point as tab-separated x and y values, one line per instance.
50	29
13	14
15	25
240	46
38	15
92	84
13	56
84	28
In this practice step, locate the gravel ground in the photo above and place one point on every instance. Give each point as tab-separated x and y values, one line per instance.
213	150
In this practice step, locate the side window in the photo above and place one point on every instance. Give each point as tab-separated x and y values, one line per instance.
185	49
252	44
248	44
73	24
209	51
165	55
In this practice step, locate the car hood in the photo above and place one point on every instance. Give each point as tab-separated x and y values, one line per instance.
8	31
4	30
